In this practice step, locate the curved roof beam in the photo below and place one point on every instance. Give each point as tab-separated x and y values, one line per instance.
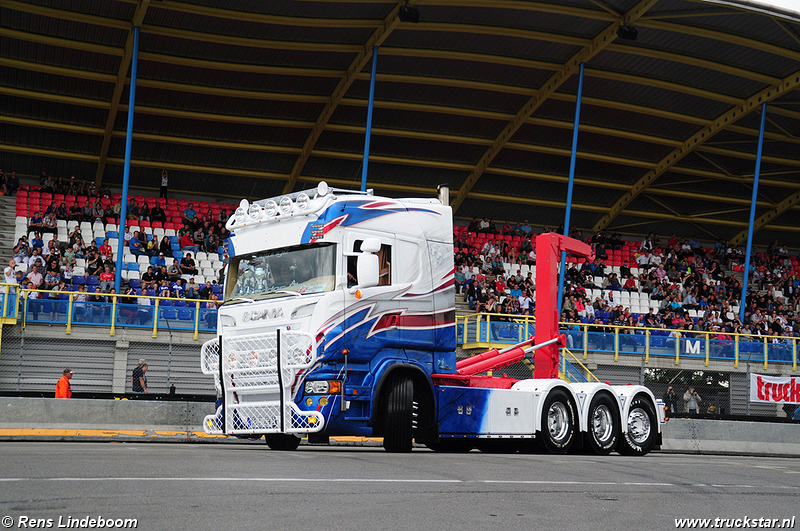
697	140
364	55
790	201
547	89
119	86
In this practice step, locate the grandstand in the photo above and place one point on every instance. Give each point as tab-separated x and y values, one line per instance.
252	99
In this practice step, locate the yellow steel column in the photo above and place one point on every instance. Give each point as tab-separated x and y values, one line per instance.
708	343
196	320
69	314
113	315
155	318
647	345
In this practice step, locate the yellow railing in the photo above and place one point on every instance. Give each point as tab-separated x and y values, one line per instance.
115	300
474	335
565	353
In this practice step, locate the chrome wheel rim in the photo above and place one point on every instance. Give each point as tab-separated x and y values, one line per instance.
602	424
638	425
558	421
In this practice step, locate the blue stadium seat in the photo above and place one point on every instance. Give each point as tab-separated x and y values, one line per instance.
178	255
112	234
135	283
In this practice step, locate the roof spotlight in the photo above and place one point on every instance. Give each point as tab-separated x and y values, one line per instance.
408	14
628	33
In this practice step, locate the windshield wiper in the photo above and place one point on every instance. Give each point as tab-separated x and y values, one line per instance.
284	291
243	299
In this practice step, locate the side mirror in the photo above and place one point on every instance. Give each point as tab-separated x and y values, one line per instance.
368	271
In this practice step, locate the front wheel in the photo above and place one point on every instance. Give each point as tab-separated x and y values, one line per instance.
398	432
642	432
282	442
558	422
604	424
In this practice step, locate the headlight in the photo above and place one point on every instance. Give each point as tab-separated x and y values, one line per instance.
239	215
302	201
286	205
254	211
323	387
271	208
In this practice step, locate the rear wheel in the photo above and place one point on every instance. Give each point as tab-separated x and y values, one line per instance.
282	442
558	422
604	424
642	432
398	432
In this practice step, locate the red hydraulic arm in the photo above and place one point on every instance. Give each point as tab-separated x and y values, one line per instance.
545	342
548	251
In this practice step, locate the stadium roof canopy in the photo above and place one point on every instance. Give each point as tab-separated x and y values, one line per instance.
253	98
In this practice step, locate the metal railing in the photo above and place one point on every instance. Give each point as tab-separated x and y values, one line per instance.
487	330
120	310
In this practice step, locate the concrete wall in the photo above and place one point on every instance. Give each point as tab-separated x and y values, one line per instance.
52	419
703	436
58	419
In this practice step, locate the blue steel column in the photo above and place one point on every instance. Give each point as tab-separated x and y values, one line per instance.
569	188
127	171
369	118
752	212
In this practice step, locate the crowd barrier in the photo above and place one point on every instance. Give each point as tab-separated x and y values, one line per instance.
488	330
20	306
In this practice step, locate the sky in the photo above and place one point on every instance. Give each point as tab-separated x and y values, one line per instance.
793	5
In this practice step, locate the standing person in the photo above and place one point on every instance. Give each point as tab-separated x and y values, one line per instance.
669	400
691	401
164	184
63	388
138	379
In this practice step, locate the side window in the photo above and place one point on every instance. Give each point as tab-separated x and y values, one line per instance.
352	265
385	265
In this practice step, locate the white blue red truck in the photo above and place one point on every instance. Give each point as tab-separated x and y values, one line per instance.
339	319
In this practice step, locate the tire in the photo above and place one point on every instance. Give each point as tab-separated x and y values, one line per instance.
604	425
642	433
558	422
282	442
399	418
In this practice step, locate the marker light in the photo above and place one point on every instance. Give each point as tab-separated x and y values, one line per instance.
302	201
271	208
358	294
286	205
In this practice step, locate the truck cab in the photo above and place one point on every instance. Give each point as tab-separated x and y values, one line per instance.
331	297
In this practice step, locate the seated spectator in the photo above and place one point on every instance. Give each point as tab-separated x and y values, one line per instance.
165	247
188	266
206	291
50	224
37	242
158	214
144	212
174	271
97	213
149	279
187	244
12	183
152	247
178	290
163	289
136	245
189	215
133	211
62	212
192	290
36	222
107	279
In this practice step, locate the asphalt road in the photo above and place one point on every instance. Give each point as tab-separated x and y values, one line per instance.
216	486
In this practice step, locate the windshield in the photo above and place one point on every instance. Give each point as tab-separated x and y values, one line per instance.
303	269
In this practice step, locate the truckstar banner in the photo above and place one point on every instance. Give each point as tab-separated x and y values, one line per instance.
774	389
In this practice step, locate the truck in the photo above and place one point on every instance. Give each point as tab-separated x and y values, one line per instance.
339	320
